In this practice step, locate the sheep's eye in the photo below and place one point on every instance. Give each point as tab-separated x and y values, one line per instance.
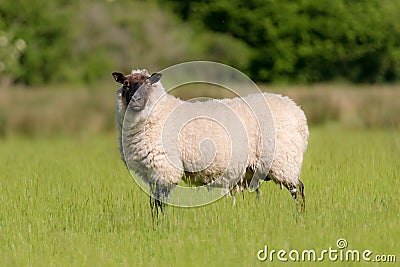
126	83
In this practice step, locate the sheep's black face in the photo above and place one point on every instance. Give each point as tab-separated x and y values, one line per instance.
132	82
129	90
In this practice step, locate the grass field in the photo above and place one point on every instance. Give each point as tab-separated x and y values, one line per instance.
71	202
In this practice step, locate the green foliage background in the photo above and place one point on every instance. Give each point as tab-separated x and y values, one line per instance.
83	41
272	41
308	40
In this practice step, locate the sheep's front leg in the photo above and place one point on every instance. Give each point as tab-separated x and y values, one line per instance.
159	195
156	206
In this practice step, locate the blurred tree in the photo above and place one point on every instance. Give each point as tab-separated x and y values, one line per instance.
43	26
46	41
83	41
308	40
10	53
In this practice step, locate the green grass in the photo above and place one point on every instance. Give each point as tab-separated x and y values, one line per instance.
72	202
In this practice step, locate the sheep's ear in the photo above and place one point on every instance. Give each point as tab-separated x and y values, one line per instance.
155	77
118	77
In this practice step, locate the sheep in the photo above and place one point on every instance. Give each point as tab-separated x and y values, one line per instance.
159	141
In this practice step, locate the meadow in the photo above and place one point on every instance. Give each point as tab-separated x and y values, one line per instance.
70	201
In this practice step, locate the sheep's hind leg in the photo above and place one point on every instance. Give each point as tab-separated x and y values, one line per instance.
303	197
294	192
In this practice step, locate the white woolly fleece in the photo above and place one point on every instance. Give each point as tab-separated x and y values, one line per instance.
216	140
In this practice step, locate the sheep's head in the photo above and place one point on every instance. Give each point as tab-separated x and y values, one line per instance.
132	86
